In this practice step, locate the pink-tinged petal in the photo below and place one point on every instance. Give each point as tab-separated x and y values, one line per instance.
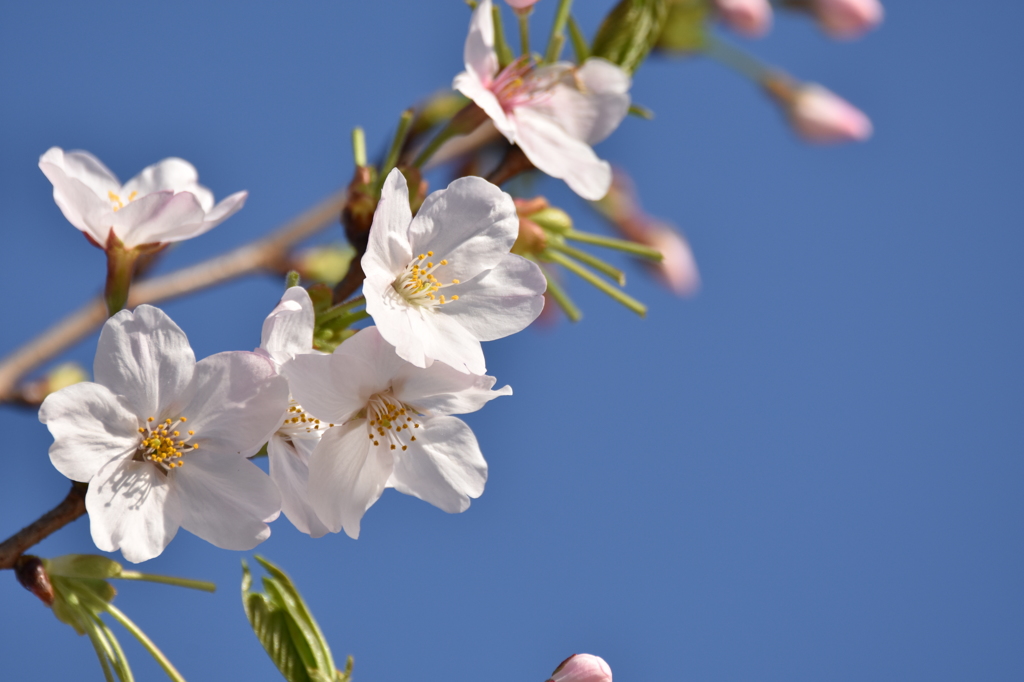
401	324
79	203
678	267
847	19
557	153
388	250
132	507
470	86
821	116
472	224
479	55
499	302
443	467
221	212
582	668
289	469
332	387
521	4
592	102
441	390
85	168
288	330
751	18
226	500
170	175
237	399
157	217
90	427
144	357
347	474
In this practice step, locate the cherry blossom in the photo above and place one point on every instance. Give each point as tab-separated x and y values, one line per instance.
440	283
164	203
582	668
287	332
819	115
847	18
553	112
392	428
751	18
162	440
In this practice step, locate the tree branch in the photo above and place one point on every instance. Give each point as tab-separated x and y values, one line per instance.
64	513
265	253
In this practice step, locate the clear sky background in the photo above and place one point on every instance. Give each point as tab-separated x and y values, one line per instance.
811	471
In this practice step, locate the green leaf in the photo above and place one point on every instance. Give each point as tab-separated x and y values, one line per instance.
685	27
630	31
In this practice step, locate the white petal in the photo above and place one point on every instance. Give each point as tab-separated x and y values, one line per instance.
226	500
85	168
470	86
134	507
478	53
158	217
79	203
403	325
347	474
499	302
449	342
289	469
443	390
145	358
90	427
444	467
388	250
221	212
169	175
288	330
607	88
554	151
237	402
472	224
331	387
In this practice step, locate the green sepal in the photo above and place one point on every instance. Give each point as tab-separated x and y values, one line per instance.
685	28
630	31
82	566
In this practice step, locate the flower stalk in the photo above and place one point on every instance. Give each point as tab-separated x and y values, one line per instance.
558	31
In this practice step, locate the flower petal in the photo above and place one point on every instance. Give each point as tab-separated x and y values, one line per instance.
78	202
443	390
170	175
221	212
479	55
90	427
501	301
236	404
288	330
145	358
85	168
444	468
226	500
289	469
332	387
388	250
158	217
472	224
470	86
346	476
591	112
132	507
560	155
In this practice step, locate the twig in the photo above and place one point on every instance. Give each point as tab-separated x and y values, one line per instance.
261	254
64	513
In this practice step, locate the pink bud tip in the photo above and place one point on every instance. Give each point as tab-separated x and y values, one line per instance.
678	267
823	117
521	4
751	18
582	668
848	18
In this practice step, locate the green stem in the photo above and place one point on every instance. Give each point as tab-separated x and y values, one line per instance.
574	267
562	298
617	244
593	261
579	43
500	45
101	645
340	309
466	121
120	268
524	31
346	320
203	585
119	659
146	642
558	31
736	59
396	146
291	280
359	146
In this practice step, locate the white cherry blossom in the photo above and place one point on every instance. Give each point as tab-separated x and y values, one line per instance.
164	203
440	283
555	113
287	332
392	429
162	440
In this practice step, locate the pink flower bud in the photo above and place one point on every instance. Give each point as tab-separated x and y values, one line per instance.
521	4
848	18
821	116
678	267
751	18
582	668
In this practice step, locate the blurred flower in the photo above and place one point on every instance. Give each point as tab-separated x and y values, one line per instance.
393	429
819	115
162	440
163	203
582	668
463	233
751	18
847	18
554	113
287	332
521	4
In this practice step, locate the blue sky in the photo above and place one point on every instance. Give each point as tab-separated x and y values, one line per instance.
810	471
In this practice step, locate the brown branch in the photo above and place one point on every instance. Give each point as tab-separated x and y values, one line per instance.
64	513
265	253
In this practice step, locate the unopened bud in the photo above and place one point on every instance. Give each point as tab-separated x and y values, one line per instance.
751	18
553	219
531	240
678	267
32	575
847	19
59	377
818	115
327	264
582	668
521	4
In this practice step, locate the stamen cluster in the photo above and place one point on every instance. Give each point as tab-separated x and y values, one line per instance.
163	445
418	285
388	417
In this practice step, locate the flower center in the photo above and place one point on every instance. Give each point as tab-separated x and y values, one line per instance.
387	418
163	445
519	83
299	424
115	200
418	285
